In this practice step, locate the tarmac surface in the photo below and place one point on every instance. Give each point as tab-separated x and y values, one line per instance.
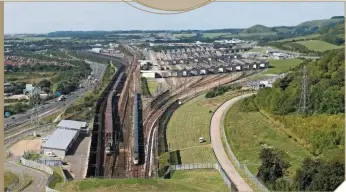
77	157
220	151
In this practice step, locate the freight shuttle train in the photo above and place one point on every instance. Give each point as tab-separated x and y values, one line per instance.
111	115
135	128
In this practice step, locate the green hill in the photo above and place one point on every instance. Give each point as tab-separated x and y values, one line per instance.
326	96
334	35
258	29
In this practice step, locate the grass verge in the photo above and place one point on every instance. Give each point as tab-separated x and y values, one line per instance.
192	180
248	133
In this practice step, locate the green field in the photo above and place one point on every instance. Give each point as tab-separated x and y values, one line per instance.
214	35
187	124
300	38
279	66
259	49
248	133
181	35
193	180
152	85
317	45
29	77
191	121
10	178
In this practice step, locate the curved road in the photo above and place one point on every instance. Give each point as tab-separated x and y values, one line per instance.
39	179
220	151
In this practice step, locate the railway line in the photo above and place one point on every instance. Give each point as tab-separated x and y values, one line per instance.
123	130
150	123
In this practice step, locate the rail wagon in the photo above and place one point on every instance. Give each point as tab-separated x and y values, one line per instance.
238	68
203	72
109	126
135	129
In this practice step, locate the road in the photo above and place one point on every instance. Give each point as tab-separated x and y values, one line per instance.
220	152
39	179
51	106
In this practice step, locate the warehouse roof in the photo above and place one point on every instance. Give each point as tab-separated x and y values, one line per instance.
72	124
60	139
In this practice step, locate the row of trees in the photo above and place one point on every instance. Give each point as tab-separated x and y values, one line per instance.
325	92
216	91
325	97
313	175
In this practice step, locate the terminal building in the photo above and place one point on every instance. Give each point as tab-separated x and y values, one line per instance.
63	138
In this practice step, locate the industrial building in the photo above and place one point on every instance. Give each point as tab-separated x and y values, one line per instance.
60	142
79	126
63	138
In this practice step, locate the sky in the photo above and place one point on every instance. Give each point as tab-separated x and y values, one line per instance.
44	17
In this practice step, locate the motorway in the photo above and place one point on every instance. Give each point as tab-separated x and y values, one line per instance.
216	130
53	105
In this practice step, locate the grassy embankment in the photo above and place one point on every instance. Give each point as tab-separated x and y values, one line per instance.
149	86
248	132
193	180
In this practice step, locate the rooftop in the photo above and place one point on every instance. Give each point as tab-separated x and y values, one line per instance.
72	124
60	139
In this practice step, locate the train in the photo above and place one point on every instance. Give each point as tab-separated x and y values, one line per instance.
135	129
110	116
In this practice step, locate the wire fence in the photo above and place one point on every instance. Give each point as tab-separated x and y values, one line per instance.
242	166
41	167
192	166
44	130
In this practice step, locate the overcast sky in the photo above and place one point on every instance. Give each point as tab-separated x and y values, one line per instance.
44	17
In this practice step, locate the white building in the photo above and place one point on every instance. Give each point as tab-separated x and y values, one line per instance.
60	142
79	126
97	50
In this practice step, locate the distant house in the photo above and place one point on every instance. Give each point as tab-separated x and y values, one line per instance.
97	50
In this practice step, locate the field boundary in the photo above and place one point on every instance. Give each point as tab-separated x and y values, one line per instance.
193	166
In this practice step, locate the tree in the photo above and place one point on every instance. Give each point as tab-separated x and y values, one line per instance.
44	83
46	89
273	165
317	175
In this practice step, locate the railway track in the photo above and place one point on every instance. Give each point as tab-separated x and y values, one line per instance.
122	165
150	123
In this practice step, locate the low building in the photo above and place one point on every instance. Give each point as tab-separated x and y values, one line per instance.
97	50
79	126
60	142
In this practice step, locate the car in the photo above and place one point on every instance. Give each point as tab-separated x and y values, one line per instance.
13	118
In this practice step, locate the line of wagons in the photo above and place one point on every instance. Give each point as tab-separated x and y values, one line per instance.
111	118
213	70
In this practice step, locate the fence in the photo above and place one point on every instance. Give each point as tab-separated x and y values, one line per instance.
241	166
191	166
43	130
41	167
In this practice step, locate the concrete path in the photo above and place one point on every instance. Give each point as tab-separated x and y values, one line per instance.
220	151
39	179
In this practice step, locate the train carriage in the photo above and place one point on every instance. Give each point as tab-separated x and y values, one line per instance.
135	129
